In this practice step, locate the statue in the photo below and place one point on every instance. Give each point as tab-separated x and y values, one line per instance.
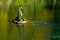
19	18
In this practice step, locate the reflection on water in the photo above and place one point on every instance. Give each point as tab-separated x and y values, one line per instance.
20	29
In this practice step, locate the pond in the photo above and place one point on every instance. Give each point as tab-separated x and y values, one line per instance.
40	25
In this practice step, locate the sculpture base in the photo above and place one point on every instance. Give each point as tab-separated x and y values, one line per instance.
20	22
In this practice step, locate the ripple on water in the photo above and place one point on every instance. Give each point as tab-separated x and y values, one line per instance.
43	23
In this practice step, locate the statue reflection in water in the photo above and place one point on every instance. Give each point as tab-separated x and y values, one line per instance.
20	30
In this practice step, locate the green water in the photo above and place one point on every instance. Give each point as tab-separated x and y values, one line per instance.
33	11
10	31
